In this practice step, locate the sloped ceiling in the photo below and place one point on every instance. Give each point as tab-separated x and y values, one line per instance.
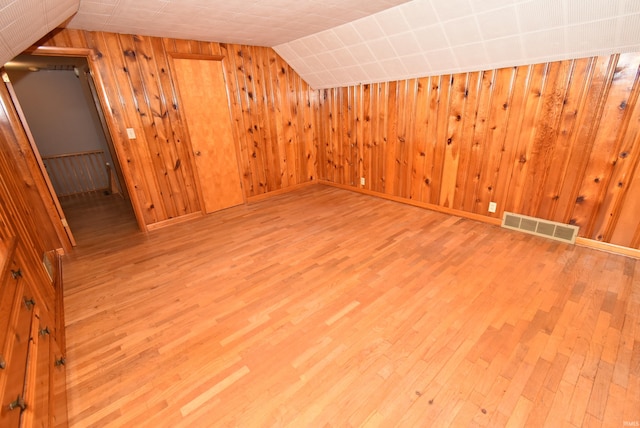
24	22
435	37
333	43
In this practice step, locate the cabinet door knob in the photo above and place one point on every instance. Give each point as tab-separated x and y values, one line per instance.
18	404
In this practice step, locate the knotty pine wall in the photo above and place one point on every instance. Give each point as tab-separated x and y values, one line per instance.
25	218
271	108
558	141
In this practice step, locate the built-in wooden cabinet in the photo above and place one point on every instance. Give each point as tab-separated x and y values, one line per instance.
31	359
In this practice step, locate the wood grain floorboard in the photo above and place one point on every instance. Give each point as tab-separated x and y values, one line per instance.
323	307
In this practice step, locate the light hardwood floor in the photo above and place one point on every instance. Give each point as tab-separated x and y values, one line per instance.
324	307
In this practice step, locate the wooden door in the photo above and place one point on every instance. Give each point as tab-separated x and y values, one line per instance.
203	95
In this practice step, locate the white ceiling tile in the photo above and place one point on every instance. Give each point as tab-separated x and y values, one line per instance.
347	34
343	56
330	40
451	9
431	38
597	10
375	72
404	44
540	15
362	53
368	29
470	55
485	5
394	67
541	43
382	49
328	60
462	31
391	21
443	59
419	13
628	30
500	49
498	23
416	65
591	36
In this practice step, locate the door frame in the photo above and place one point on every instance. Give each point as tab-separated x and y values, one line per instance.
92	56
206	57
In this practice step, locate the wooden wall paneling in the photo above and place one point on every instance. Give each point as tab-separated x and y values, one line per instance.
541	155
470	189
177	138
296	128
455	125
359	131
366	125
494	160
596	84
118	91
391	176
149	146
348	136
523	148
440	136
429	181
266	109
37	224
624	160
380	142
406	126
279	107
418	138
148	59
289	128
253	133
330	135
240	130
467	120
627	228
572	104
309	155
611	128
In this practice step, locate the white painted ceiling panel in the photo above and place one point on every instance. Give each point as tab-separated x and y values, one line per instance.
253	22
432	37
22	22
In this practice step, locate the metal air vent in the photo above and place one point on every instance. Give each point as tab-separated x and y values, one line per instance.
540	227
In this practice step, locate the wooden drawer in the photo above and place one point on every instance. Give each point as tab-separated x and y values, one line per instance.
15	353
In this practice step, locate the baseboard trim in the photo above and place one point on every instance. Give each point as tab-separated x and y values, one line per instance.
609	248
263	196
583	242
432	207
175	220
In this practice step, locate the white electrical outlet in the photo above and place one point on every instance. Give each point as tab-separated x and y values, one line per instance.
131	133
362	181
492	207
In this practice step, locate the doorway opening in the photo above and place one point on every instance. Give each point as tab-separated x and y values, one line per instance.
59	102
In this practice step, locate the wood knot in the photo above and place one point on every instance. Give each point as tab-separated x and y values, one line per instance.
523	159
596	180
624	155
623	105
130	53
580	199
448	141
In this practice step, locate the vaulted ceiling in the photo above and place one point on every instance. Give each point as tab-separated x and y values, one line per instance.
334	43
